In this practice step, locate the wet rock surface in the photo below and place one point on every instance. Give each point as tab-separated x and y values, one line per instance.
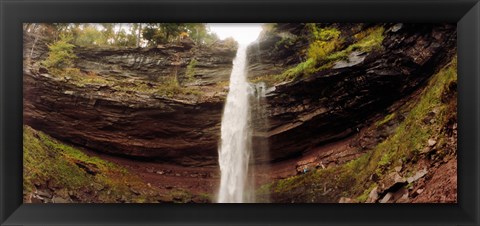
275	51
335	102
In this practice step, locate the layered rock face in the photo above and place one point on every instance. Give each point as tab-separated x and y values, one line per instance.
212	64
302	114
271	55
334	103
133	125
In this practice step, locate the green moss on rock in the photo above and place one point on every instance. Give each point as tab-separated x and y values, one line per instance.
404	146
325	48
71	174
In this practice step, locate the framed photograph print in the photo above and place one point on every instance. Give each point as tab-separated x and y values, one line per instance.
239	112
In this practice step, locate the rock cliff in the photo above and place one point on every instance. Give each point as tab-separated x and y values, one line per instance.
302	113
336	102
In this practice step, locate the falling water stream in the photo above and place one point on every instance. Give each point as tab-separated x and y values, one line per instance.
235	148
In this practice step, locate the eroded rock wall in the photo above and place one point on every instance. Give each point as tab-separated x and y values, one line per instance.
302	114
333	103
131	125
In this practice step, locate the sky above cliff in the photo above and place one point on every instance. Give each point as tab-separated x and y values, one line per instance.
242	32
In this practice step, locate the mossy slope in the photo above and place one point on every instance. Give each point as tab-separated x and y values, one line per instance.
67	172
428	119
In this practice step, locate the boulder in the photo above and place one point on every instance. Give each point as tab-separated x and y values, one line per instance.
58	199
347	200
373	196
386	198
392	182
419	174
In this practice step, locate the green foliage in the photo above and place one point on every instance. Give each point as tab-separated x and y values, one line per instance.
191	69
363	197
386	158
318	50
105	34
285	42
325	41
90	36
70	72
264	189
323	34
160	33
124	34
270	80
288	183
123	38
181	196
200	33
35	159
269	27
386	119
368	40
412	135
153	35
60	55
300	69
324	50
171	29
169	87
64	167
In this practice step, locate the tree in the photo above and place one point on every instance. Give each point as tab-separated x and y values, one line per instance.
89	36
58	28
153	35
172	30
124	39
60	55
120	34
137	31
26	27
108	32
197	32
160	33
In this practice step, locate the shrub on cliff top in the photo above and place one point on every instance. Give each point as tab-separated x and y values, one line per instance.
60	55
324	41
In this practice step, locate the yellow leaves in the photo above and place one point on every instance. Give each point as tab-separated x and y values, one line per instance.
318	50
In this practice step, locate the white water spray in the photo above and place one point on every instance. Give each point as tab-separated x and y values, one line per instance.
235	148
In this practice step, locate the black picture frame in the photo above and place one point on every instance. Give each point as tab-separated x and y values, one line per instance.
466	13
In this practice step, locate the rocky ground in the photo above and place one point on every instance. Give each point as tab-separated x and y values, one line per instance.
167	176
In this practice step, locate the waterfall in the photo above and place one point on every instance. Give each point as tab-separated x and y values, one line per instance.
260	149
236	134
